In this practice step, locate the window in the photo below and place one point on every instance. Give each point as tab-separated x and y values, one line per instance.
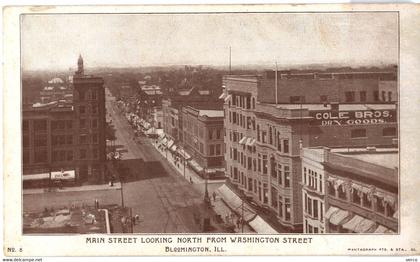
211	150
25	141
94	123
358	133
218	134
201	148
82	95
94	109
69	140
25	157
274	197
286	176
25	125
280	174
356	197
40	125
383	96
265	164
389	131
41	156
95	138
69	155
287	205
280	203
366	201
250	184
83	139
40	140
94	95
82	123
331	189
218	150
315	211
95	153
264	136
342	192
297	99
82	153
349	96
210	134
286	146
69	124
380	208
82	110
389	96
362	96
376	96
259	162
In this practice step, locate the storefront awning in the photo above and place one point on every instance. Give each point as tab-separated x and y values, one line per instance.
36	176
381	229
243	140
261	227
63	175
352	223
169	143
331	211
194	165
250	141
173	148
338	217
183	154
235	203
163	141
365	226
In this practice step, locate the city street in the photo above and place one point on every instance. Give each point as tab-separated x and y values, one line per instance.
164	200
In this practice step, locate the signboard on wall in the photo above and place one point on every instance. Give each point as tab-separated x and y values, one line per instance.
358	117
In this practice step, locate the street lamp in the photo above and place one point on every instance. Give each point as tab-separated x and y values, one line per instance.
206	191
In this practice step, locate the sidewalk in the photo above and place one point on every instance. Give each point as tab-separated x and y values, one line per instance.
117	186
195	178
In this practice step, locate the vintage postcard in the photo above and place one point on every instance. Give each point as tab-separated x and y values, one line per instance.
211	130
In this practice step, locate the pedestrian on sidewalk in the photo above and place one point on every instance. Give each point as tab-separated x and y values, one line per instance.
191	180
214	196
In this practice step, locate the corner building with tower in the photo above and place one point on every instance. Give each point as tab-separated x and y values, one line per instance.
67	136
264	137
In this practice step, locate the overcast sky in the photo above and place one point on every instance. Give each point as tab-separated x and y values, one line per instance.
55	41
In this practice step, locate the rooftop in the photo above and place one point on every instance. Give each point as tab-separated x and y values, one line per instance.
386	159
347	107
211	113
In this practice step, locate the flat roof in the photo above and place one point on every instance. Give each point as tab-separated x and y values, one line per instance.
389	160
348	107
211	113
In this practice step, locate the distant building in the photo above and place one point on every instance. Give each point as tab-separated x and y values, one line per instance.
203	133
341	86
56	90
67	136
172	106
350	190
263	139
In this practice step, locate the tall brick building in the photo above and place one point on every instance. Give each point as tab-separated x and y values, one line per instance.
67	136
263	139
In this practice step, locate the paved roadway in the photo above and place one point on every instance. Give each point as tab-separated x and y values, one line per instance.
164	200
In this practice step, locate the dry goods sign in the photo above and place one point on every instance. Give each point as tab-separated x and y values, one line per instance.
362	117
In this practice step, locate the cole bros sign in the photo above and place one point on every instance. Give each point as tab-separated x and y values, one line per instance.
362	117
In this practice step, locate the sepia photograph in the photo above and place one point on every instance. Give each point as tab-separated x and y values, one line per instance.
210	123
210	130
